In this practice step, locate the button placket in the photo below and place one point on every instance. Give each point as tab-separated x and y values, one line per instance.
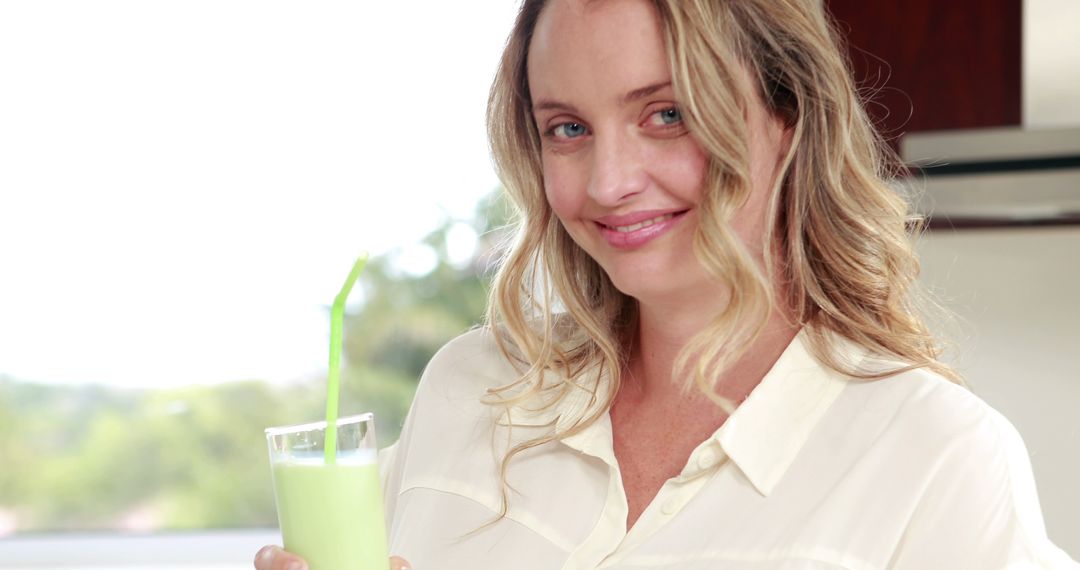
671	505
610	530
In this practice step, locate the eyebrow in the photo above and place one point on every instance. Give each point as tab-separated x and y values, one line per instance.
636	94
645	91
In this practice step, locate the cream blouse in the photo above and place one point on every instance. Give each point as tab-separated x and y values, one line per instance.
812	471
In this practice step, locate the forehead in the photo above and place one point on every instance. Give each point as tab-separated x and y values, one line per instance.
583	48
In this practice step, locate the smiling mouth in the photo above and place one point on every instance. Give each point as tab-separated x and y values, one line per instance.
644	223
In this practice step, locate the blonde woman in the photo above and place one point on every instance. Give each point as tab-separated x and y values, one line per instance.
703	349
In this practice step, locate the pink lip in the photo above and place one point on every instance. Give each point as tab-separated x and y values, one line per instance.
640	236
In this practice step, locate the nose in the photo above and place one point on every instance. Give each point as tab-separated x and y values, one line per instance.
618	171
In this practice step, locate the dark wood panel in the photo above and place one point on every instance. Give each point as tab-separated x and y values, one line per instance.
936	64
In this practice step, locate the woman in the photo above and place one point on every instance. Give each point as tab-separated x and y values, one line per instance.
702	350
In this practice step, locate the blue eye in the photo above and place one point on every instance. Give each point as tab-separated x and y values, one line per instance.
667	117
569	130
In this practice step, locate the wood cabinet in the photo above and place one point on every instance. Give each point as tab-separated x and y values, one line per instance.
934	65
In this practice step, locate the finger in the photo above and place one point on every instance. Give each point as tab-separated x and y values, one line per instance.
399	563
274	558
264	558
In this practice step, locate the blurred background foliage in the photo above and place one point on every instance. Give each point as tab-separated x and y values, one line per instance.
92	457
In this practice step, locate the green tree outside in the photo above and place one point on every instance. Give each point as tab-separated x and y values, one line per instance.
100	458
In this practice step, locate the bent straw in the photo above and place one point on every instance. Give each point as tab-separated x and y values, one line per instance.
333	385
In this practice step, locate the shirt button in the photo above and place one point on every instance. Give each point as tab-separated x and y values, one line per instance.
707	459
671	505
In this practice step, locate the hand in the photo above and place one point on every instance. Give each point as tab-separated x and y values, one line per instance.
274	558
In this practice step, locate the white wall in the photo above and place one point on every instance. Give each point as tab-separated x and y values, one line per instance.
1016	293
1051	63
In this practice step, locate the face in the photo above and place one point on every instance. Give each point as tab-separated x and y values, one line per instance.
621	171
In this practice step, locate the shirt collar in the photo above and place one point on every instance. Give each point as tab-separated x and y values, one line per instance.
762	437
766	432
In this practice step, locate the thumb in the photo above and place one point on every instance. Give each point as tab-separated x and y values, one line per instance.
399	563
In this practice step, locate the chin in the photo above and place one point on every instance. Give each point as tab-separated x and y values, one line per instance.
664	284
654	285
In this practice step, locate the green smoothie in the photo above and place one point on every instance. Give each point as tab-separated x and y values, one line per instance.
331	515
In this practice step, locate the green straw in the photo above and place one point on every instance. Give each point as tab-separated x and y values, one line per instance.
333	385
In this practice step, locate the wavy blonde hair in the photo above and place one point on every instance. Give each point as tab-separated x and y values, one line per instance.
838	236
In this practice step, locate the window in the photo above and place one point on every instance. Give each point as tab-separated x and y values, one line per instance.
184	187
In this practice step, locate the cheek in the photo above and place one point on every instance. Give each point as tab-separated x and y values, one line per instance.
681	169
563	188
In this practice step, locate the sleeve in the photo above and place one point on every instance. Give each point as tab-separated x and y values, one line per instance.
434	415
392	463
981	510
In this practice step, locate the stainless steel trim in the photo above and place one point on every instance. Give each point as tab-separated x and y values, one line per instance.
985	145
1020	196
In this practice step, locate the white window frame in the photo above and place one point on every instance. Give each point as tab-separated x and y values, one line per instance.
202	550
